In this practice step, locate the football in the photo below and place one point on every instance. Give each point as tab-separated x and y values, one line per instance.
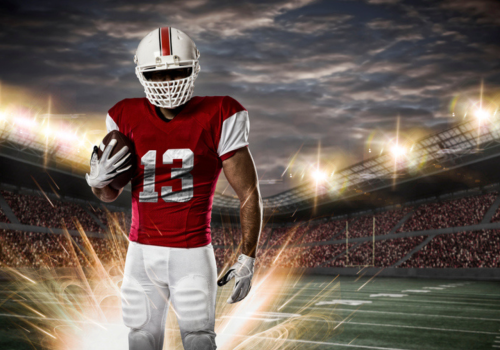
121	140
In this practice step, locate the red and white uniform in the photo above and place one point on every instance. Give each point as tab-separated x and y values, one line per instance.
178	164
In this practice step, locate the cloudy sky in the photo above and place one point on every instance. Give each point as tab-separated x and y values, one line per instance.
328	74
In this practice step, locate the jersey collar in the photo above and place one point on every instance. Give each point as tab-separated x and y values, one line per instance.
162	124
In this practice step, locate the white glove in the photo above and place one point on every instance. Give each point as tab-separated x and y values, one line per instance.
104	170
243	271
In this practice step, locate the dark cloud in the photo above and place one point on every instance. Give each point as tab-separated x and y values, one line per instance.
310	72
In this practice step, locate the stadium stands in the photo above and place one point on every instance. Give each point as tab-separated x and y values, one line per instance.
287	246
453	213
38	211
326	231
101	215
496	217
384	222
3	218
459	250
31	249
387	252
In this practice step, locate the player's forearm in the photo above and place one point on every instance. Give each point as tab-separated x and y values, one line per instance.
106	194
251	223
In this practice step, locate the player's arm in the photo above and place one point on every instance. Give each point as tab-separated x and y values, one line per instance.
242	176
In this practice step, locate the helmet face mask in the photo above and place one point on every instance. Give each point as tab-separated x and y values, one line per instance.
171	52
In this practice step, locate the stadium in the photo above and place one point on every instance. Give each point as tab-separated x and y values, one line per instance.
400	251
250	175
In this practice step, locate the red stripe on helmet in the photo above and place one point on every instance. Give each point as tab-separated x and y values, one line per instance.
165	41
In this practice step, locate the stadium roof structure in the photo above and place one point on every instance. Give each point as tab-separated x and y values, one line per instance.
454	147
458	146
60	147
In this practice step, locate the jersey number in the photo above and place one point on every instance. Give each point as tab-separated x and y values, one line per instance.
149	161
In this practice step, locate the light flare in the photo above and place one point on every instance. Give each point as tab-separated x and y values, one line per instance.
398	151
319	175
80	308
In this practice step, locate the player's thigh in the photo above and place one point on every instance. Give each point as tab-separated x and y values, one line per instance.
142	300
193	287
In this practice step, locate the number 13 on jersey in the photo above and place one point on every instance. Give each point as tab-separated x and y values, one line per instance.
167	194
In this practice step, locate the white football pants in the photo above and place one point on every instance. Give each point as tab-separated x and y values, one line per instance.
154	276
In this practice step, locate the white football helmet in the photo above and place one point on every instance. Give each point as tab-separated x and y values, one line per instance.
167	48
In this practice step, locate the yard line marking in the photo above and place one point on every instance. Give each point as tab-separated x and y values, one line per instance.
416	327
435	295
297	340
344	302
407	300
412	314
442	294
391	301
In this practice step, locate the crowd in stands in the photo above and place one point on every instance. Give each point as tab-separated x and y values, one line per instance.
291	246
231	236
49	212
384	222
335	230
39	211
459	250
3	217
326	231
298	257
452	213
384	254
288	235
33	249
496	216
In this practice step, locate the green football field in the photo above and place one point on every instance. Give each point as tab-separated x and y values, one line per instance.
314	312
390	313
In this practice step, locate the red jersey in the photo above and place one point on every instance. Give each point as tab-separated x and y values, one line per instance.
178	164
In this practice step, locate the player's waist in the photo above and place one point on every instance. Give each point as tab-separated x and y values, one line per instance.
165	248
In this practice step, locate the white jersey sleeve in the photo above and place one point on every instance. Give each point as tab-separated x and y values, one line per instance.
111	124
234	134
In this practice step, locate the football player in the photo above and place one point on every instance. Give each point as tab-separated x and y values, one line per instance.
182	143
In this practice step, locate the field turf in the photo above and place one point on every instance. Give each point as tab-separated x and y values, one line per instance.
385	314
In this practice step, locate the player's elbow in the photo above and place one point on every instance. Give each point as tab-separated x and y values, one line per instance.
108	200
260	203
106	194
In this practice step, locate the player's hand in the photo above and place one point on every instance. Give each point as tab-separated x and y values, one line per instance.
243	273
104	170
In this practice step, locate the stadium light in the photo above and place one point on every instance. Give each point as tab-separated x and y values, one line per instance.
319	175
65	136
397	151
482	115
25	122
